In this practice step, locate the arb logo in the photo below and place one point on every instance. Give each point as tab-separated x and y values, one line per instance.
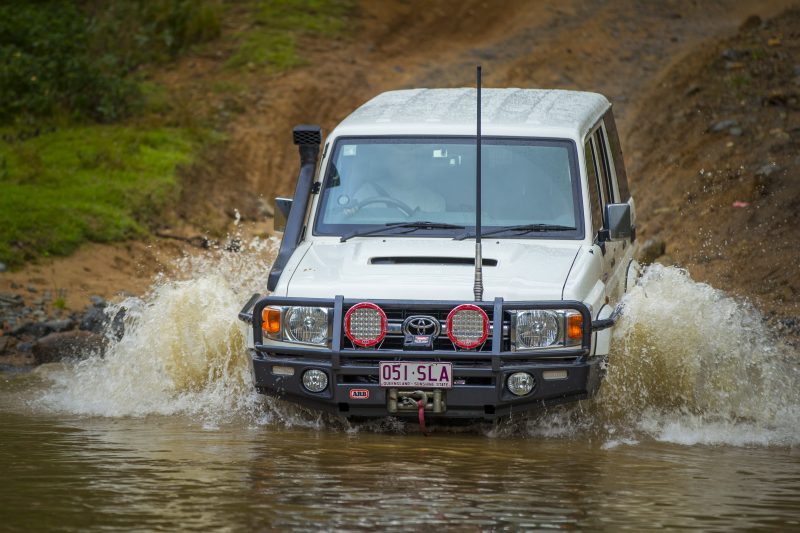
359	394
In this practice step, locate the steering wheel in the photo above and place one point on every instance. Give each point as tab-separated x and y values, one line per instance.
390	202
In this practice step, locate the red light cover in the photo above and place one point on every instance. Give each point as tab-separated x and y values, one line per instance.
468	343
360	327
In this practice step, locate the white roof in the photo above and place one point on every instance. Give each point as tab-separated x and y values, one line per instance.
526	112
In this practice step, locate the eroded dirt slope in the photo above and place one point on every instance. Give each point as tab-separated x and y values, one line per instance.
719	170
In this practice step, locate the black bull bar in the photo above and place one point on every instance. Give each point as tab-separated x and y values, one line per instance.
342	359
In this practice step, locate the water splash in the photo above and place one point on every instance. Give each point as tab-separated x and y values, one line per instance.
183	351
689	365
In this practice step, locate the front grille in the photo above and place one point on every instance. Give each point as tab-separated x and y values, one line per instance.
394	338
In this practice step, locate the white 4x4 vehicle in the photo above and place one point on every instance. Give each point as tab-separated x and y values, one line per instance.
373	311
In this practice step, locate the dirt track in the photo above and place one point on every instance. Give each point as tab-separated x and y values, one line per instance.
617	48
621	49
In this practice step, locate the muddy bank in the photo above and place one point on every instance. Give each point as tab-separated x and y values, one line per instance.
719	169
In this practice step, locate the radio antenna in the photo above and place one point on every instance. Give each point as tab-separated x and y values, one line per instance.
478	286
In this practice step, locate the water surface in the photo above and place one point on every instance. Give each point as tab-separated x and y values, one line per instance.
697	426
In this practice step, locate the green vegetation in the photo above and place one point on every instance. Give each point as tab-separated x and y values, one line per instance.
95	182
74	165
75	58
61	299
89	146
272	40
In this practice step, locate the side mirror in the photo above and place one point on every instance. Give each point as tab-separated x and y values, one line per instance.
618	218
282	208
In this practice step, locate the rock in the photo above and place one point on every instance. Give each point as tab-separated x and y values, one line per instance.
59	325
693	89
3	267
94	319
32	289
767	170
233	245
650	250
40	329
6	343
723	125
118	324
15	285
735	131
10	299
68	344
750	23
731	54
780	134
24	347
785	294
97	301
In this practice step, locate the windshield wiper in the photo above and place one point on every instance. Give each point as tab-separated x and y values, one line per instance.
412	226
523	228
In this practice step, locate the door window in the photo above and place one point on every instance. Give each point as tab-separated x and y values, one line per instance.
594	192
603	167
615	150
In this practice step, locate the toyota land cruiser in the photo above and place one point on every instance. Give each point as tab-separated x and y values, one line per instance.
373	309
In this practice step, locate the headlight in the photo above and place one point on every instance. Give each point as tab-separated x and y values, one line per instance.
303	325
308	325
536	329
543	328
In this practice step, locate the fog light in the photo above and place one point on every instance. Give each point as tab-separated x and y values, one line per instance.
315	380
520	383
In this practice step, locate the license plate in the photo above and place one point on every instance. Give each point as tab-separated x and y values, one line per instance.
416	375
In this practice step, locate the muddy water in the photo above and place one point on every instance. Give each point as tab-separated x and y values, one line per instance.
697	426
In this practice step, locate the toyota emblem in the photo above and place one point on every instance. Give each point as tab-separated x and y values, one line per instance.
422	325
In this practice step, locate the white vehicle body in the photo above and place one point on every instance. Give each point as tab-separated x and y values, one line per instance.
589	267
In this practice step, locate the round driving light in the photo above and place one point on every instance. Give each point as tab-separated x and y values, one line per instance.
520	383
536	329
365	324
307	324
315	380
467	326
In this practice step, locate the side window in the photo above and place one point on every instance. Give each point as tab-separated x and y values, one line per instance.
615	149
604	169
594	192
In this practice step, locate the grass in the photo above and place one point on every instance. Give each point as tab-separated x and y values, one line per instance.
95	182
272	41
109	168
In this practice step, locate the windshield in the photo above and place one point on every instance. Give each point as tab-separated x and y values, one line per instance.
373	182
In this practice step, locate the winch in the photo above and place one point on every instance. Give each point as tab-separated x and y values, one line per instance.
406	400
